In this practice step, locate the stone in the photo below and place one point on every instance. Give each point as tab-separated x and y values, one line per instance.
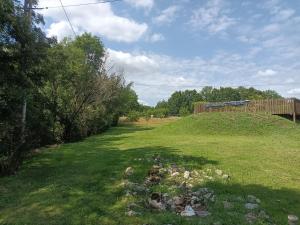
293	220
129	171
188	211
253	199
155	201
225	176
186	174
178	200
262	214
131	213
175	174
219	172
251	206
250	217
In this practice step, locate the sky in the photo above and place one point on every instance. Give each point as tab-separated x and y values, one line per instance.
167	45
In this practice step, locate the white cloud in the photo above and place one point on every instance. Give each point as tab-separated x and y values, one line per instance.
167	16
148	4
284	14
266	73
97	19
271	28
156	37
212	17
295	91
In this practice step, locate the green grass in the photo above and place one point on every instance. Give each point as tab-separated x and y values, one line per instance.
80	183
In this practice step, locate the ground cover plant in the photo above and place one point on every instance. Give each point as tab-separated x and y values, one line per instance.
85	182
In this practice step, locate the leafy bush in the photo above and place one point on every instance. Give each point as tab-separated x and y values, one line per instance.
133	116
184	111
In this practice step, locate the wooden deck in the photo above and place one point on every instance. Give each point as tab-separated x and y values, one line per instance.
272	106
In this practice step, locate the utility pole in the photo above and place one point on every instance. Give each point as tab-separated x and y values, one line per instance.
28	14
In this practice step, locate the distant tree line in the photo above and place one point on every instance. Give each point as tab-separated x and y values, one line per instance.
51	92
181	103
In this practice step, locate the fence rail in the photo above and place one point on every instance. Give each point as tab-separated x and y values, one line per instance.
273	106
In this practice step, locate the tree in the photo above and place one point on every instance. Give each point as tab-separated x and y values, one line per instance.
22	50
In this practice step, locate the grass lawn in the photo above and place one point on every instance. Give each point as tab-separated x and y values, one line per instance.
80	183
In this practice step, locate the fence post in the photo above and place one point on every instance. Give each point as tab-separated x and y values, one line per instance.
294	113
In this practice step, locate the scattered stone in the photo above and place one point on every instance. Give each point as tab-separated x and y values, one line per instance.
186	174
225	176
175	174
188	211
219	172
131	213
129	171
293	220
250	217
262	214
253	199
155	201
251	206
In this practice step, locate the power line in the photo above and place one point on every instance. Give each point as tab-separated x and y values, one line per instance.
66	14
76	5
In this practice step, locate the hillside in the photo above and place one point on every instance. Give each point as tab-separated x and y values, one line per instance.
231	124
84	182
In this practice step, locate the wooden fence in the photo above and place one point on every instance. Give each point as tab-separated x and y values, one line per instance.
272	106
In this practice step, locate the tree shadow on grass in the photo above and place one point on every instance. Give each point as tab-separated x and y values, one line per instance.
81	184
76	184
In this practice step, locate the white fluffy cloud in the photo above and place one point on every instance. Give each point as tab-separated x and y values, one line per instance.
266	73
148	4
212	17
167	16
156	37
156	76
295	91
97	19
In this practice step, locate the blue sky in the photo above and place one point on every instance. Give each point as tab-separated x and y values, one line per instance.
163	46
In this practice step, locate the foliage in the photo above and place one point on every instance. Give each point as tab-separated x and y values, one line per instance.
69	93
133	116
182	102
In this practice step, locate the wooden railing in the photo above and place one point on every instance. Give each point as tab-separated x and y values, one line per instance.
273	106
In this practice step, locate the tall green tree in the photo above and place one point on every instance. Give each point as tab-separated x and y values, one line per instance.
22	50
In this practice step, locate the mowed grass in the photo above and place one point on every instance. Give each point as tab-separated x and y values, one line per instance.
80	183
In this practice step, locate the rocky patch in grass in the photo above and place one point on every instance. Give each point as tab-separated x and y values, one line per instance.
170	188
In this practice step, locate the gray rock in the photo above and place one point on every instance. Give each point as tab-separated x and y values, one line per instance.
219	172
186	174
157	205
175	174
225	176
251	206
293	220
188	211
128	171
250	217
131	213
253	199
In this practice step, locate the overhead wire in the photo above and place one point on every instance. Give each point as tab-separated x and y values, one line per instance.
77	5
69	21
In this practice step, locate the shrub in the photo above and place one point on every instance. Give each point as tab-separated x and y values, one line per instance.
133	116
